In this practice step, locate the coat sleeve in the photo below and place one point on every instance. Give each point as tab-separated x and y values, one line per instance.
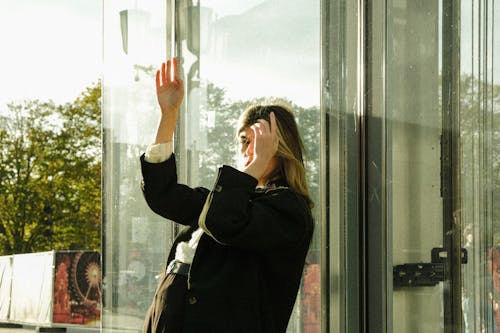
234	216
166	197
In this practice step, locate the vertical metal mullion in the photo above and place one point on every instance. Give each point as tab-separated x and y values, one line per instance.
170	41
341	250
180	133
334	259
486	150
325	166
170	19
365	310
451	166
378	266
350	138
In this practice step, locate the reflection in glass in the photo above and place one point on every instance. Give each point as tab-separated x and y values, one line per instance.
480	140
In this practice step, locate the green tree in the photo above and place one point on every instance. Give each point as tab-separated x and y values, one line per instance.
50	175
480	147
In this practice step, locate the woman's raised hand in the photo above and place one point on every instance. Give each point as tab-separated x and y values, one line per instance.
170	92
169	86
265	146
265	139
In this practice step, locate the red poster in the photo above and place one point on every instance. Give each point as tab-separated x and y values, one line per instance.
77	288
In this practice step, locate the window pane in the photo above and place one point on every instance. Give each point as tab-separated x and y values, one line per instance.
440	153
414	129
135	240
480	134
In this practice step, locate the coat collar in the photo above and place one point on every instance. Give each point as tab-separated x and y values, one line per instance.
278	184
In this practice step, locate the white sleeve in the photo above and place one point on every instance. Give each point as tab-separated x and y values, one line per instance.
157	153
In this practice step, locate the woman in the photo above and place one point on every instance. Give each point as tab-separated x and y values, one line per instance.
236	266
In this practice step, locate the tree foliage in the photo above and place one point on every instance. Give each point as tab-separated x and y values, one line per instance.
480	150
50	175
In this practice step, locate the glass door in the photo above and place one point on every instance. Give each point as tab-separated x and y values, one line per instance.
432	165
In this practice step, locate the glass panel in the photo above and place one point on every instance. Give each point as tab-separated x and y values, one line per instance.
135	240
480	133
443	176
243	52
414	129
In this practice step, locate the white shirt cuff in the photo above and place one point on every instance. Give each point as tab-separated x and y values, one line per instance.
157	153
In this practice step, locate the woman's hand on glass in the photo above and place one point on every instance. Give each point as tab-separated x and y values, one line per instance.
170	92
169	86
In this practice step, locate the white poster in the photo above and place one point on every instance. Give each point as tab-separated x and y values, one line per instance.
31	298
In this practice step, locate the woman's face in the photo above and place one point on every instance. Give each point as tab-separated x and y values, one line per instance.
246	148
246	154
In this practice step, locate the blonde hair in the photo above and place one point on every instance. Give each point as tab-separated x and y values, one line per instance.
290	148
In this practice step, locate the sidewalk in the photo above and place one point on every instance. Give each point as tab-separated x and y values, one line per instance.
116	323
31	329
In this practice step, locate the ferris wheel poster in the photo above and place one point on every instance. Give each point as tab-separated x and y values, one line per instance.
77	288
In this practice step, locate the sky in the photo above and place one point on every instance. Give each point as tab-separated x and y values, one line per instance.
50	49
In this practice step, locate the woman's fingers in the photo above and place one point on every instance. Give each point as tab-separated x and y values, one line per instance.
263	125
257	127
169	71
273	123
158	83
265	136
268	128
176	69
274	130
163	75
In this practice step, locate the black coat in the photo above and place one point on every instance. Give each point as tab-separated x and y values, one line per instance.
248	264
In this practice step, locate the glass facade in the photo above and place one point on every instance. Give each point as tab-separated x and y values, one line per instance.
398	102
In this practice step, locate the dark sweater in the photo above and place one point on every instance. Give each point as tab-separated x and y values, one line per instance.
248	264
